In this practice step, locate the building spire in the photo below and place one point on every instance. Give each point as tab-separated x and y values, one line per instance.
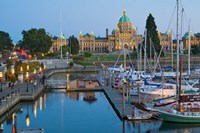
124	12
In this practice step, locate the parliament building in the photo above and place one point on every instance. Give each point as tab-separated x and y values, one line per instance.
123	35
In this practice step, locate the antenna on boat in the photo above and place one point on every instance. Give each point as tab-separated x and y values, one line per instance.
189	47
145	53
61	35
124	55
177	50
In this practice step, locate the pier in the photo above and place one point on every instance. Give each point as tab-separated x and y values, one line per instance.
116	100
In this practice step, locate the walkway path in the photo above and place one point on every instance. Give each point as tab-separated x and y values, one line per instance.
116	99
10	96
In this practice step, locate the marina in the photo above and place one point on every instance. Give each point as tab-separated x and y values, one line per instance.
62	74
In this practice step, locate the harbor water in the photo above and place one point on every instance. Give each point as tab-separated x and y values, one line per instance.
57	111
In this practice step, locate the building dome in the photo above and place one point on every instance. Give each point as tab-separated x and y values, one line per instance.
124	18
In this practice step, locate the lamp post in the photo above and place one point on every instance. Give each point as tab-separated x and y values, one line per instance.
1	78
27	67
27	80
94	68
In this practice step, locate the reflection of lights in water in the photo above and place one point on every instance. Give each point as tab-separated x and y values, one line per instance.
13	118
40	102
35	109
67	77
68	94
62	99
186	131
2	125
81	95
45	97
27	120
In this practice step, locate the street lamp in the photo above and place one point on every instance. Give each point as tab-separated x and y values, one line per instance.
1	78
27	80
27	67
34	72
40	69
94	68
21	69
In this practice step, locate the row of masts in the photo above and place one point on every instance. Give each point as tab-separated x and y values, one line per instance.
179	51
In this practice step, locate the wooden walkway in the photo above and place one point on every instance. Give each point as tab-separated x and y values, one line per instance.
115	98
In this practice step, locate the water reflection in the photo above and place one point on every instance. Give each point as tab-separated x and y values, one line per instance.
27	117
35	109
70	77
41	102
73	95
89	97
64	112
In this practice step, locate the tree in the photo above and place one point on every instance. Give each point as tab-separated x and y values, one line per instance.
133	55
35	40
5	41
65	49
73	44
153	34
195	49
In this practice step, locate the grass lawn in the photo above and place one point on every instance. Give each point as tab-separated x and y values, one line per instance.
104	58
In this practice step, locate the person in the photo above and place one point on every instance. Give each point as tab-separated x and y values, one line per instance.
133	113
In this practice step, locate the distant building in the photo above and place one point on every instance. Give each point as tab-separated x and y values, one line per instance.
123	35
194	39
56	43
166	40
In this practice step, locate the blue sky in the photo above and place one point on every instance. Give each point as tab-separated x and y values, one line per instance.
90	15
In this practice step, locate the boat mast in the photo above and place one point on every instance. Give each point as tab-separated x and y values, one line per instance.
124	56
172	51
140	68
177	50
189	46
145	53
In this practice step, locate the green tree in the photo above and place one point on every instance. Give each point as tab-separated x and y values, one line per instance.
152	34
133	55
35	40
5	41
73	44
65	49
195	49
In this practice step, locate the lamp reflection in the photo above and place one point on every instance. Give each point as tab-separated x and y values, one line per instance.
27	118
45	97
67	77
41	102
35	109
14	123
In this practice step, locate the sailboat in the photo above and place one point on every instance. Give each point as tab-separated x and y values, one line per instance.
187	109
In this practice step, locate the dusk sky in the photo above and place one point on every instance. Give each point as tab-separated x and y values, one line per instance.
91	15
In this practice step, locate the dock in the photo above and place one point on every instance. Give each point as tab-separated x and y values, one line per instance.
116	100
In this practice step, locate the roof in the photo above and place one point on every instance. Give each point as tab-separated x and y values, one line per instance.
90	79
113	31
187	34
124	18
87	34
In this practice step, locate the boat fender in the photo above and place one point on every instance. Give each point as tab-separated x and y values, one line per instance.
173	111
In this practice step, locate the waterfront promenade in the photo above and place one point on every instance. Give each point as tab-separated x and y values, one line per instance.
10	96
